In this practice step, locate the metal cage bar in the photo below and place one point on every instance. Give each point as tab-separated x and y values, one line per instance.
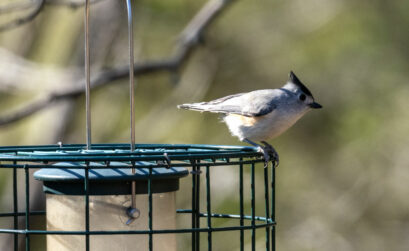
209	209
267	206
27	181
253	208
15	206
193	211
86	188
241	206
150	210
273	192
139	232
197	206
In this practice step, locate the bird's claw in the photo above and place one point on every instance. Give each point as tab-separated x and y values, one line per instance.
166	161
270	154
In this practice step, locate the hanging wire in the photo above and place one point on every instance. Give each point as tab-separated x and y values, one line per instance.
87	77
132	210
131	74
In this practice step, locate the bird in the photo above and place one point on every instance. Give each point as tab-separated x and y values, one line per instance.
262	115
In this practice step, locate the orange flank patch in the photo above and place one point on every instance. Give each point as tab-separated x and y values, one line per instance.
246	121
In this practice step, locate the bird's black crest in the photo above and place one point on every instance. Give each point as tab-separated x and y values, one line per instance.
293	79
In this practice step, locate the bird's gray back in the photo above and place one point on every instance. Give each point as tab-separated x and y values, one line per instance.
251	104
255	103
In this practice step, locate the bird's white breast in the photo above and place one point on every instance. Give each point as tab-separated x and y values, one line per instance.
263	127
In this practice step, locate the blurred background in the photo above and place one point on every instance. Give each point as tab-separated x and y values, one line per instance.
343	179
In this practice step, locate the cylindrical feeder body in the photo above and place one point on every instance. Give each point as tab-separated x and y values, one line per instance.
109	200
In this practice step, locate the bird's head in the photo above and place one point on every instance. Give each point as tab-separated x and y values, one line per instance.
302	93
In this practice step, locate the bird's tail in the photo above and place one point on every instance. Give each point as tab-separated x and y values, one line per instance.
195	106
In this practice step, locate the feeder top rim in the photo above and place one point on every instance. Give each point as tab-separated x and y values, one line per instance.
122	152
63	173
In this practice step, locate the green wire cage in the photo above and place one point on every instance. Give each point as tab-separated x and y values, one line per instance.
90	166
123	196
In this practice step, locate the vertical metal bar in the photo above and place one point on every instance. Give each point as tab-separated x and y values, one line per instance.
87	77
150	209
273	191
209	210
193	205
131	73
133	188
131	95
241	207
86	187
194	170
15	205
197	211
27	176
267	206
253	209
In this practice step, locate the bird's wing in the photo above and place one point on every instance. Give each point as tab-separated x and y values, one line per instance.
252	104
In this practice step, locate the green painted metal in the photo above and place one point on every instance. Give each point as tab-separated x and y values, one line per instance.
15	206
27	216
196	175
130	232
194	209
253	208
273	194
267	206
111	162
241	207
209	209
150	210
109	181
63	172
86	188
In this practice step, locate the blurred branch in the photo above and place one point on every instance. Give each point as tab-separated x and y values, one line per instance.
15	6
71	3
22	20
189	40
192	35
23	5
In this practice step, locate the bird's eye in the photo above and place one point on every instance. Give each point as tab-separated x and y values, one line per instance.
302	97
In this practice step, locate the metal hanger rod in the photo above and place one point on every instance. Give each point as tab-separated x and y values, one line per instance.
87	77
131	96
131	74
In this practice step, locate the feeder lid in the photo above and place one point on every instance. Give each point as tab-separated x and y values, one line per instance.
68	178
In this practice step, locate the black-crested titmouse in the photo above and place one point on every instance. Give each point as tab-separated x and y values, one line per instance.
263	114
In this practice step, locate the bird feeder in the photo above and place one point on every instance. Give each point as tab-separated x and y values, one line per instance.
109	201
89	196
122	196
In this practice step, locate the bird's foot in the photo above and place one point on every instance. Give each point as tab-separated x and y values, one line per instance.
270	154
166	161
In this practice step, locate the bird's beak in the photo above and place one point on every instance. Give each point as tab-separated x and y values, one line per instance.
315	105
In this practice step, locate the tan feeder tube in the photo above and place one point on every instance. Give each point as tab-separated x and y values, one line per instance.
109	199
